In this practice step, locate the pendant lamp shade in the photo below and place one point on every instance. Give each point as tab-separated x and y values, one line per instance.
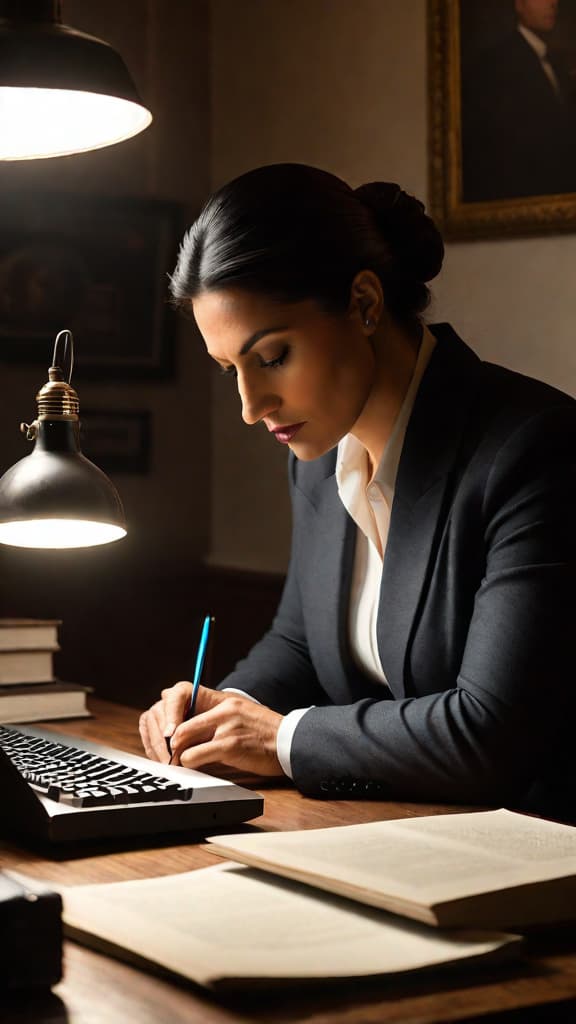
55	497
61	91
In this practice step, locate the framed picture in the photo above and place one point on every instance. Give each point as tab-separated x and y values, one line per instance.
118	442
98	266
502	116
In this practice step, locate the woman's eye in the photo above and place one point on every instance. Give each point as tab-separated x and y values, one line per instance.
228	371
270	364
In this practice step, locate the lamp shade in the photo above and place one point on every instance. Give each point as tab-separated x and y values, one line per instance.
55	497
61	91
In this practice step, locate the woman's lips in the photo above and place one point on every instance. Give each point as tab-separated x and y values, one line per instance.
285	434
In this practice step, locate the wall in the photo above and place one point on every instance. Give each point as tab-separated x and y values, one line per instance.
343	85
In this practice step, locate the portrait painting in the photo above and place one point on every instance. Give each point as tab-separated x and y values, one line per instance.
502	107
95	265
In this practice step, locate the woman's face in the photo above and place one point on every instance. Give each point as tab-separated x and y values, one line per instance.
304	373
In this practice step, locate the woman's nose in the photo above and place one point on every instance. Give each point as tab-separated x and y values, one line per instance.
256	402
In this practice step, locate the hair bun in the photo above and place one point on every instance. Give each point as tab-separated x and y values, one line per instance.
415	242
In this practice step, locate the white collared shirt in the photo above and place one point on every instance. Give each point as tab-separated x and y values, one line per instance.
369	504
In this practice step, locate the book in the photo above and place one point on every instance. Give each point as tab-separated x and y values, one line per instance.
36	702
29	634
230	926
484	869
27	666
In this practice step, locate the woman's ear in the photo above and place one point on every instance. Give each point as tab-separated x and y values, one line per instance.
366	300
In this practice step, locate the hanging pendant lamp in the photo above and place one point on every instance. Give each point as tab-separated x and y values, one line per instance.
61	91
55	497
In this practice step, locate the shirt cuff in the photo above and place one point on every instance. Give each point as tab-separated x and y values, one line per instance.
234	689
284	738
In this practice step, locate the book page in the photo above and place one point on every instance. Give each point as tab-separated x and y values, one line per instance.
423	860
232	922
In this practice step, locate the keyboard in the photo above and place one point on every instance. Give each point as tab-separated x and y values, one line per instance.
60	789
78	778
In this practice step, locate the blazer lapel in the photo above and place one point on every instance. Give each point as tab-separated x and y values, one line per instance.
330	572
429	454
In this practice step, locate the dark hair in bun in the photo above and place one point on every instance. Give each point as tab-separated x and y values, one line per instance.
294	232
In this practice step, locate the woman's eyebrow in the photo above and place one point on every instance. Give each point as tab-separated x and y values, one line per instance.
257	337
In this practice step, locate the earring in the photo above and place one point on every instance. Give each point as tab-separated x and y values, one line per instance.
368	322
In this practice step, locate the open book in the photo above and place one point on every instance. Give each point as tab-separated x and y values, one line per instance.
485	869
230	926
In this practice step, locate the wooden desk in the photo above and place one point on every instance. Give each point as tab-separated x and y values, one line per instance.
98	990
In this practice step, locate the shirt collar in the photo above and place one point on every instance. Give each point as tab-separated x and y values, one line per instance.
352	463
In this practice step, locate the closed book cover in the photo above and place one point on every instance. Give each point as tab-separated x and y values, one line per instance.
26	666
29	634
40	701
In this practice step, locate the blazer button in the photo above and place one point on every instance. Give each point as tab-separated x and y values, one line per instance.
373	787
329	785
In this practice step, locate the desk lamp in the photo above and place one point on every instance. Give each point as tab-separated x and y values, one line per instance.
55	497
61	91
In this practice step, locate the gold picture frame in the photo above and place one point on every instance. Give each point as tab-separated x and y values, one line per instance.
462	216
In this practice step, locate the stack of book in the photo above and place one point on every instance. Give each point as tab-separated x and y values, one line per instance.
29	691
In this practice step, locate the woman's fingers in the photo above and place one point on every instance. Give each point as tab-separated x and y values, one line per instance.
160	721
197	730
151	731
214	752
175	703
234	731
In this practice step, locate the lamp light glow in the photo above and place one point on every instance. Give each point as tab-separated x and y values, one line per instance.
40	123
55	497
61	91
59	533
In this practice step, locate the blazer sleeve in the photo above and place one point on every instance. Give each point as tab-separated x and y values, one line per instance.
278	670
488	733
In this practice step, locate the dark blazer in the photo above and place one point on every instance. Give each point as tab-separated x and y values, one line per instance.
477	606
518	138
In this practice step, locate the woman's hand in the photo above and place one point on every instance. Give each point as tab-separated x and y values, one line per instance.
226	728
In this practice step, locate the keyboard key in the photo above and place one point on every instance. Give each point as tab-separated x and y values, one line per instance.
69	775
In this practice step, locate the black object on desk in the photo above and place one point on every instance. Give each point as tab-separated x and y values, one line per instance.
31	930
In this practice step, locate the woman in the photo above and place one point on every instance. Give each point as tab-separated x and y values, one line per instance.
421	649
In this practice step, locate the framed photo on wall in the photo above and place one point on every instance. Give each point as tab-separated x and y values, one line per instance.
96	265
502	116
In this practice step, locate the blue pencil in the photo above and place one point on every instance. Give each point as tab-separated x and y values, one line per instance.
200	658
